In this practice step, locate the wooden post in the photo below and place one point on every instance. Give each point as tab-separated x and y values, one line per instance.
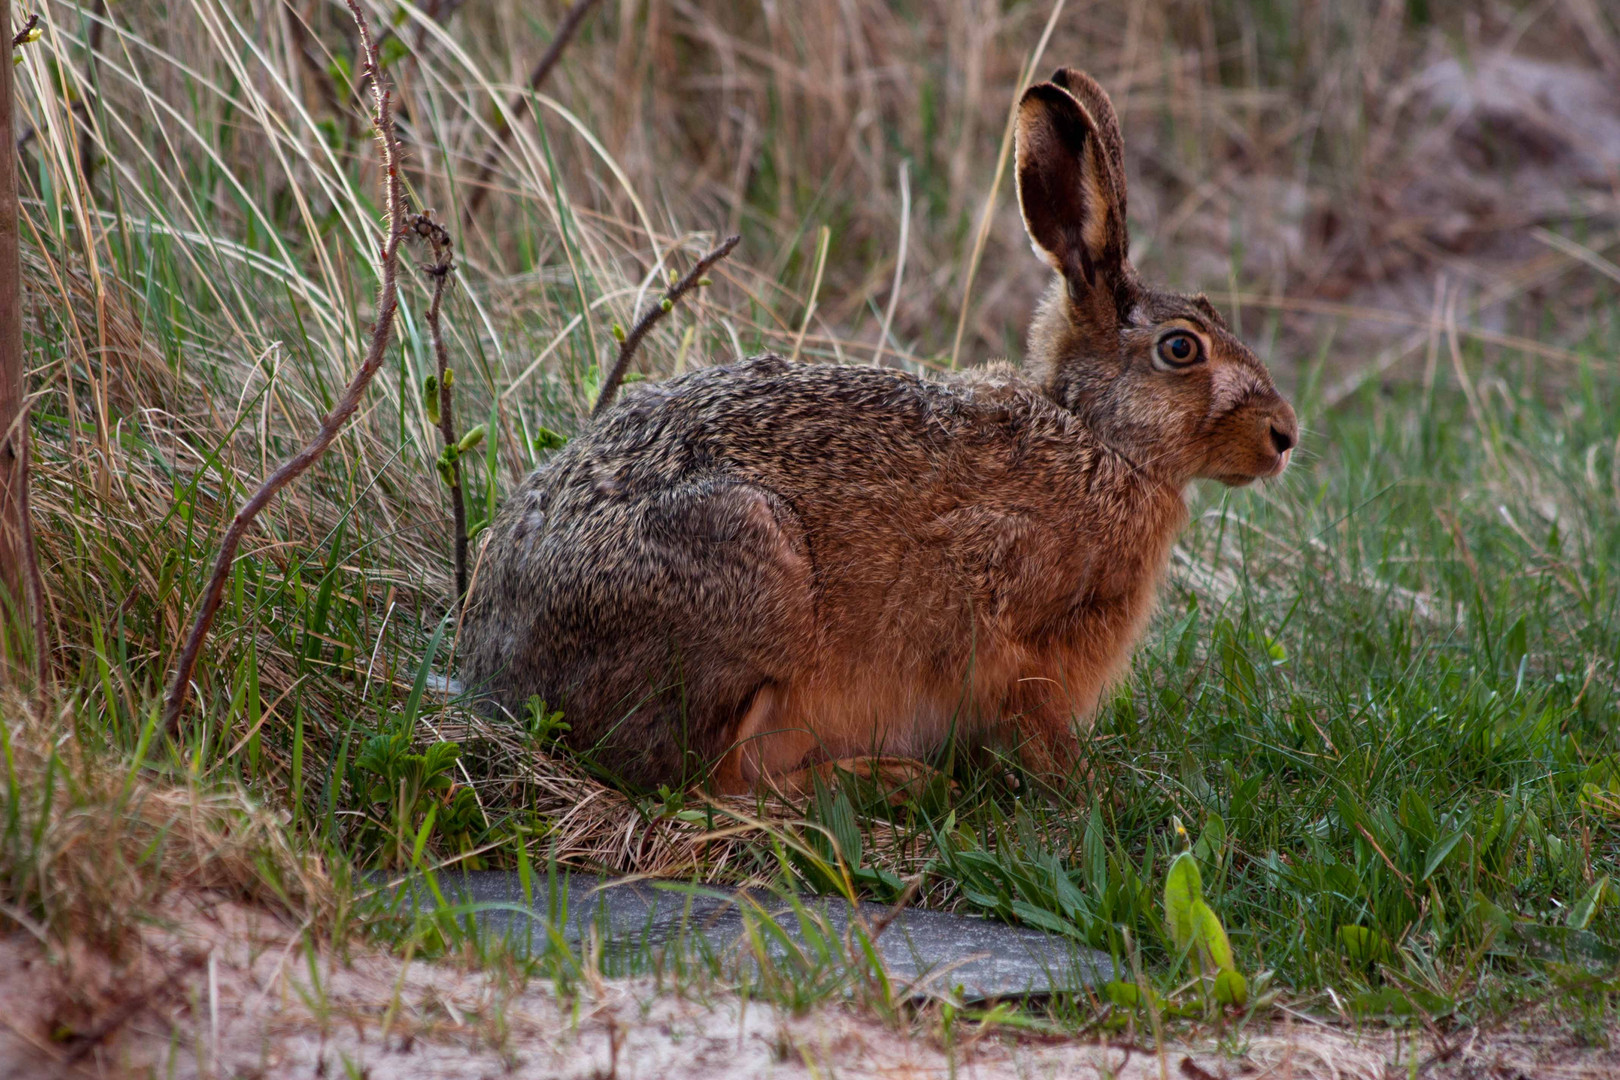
13	425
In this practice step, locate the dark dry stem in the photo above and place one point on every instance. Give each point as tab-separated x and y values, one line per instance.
36	582
444	261
565	33
87	140
332	424
19	565
21	36
650	317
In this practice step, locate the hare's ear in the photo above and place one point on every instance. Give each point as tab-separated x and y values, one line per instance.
1066	191
1096	102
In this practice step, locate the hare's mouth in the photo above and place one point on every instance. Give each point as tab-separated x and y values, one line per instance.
1278	464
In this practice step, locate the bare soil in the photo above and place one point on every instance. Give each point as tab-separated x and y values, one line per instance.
229	990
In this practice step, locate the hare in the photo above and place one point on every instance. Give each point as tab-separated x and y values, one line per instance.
749	571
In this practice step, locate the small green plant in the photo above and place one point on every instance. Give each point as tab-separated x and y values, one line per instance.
1192	931
1195	930
834	848
546	440
404	788
544	725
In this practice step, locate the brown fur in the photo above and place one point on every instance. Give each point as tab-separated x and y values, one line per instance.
750	569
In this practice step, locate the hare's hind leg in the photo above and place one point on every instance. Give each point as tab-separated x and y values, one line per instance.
739	569
761	746
768	749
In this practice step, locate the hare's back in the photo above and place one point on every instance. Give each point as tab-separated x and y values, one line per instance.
831	439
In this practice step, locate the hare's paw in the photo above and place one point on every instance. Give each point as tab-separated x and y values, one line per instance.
896	780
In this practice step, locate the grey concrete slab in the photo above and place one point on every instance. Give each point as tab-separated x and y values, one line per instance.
927	951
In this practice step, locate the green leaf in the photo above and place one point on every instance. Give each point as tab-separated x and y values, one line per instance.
1211	845
342	72
1045	920
1580	916
1183	887
1231	989
423	834
837	813
1567	945
546	439
1391	1001
1364	945
413	701
1127	995
1438	853
430	397
1487	916
1211	936
1416	816
440	758
473	437
393	50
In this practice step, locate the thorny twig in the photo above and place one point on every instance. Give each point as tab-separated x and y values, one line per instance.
650	317
565	33
444	261
381	331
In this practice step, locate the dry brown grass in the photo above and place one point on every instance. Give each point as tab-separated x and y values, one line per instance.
99	851
591	824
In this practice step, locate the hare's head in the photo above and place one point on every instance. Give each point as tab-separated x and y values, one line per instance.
1155	374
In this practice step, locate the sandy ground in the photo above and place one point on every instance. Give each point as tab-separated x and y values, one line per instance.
231	992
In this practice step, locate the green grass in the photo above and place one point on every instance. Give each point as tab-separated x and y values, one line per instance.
1381	693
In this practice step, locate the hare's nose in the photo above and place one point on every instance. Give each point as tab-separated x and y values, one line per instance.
1284	438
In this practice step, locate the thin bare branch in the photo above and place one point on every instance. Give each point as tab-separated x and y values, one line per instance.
565	33
650	317
381	331
440	269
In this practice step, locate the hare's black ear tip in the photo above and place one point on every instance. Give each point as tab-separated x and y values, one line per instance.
1078	83
1047	92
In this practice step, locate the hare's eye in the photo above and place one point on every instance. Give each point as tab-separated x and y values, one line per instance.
1180	349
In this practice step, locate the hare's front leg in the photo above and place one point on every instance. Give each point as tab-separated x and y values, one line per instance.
1047	744
1045	719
